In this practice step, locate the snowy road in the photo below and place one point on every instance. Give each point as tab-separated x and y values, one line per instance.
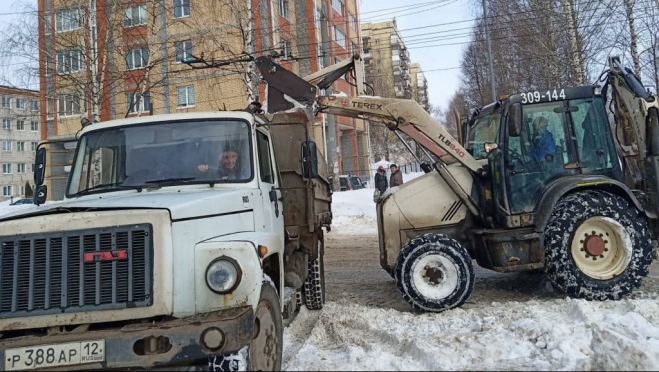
512	321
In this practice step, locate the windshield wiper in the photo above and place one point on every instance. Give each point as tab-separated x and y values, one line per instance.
108	187
171	181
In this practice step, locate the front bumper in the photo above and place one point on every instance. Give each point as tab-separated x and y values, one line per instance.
183	335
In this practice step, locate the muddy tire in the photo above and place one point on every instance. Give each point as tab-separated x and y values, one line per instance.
597	246
266	348
314	285
434	273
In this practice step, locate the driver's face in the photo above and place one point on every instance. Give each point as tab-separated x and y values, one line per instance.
229	159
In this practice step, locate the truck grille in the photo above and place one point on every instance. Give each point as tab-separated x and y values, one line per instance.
74	271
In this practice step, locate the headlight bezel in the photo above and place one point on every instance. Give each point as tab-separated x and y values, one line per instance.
239	274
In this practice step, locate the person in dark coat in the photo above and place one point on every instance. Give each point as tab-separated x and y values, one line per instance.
381	183
396	178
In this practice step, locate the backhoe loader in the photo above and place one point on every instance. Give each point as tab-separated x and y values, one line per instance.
541	180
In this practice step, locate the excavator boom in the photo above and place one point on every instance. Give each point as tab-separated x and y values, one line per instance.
404	115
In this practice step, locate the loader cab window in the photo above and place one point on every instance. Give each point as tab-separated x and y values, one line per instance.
485	129
538	155
593	134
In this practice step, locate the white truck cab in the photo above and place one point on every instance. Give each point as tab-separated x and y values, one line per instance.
168	250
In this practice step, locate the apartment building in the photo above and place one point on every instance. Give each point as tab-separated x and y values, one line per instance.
387	60
19	136
135	64
309	35
419	85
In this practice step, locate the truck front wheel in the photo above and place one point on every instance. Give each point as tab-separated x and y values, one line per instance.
314	286
597	246
266	348
434	273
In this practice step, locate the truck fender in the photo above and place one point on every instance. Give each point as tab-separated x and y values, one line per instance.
563	186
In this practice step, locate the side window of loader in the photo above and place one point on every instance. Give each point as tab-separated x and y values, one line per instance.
486	129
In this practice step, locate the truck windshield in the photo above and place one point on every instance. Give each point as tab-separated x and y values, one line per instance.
162	153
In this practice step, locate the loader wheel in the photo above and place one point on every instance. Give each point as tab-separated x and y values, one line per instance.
266	348
434	273
314	286
597	246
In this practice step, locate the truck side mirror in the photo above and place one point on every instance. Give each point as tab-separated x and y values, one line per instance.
515	120
309	160
40	194
40	166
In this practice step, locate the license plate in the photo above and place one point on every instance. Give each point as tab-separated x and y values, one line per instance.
55	355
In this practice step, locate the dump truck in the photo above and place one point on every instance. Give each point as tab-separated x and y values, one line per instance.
540	181
183	242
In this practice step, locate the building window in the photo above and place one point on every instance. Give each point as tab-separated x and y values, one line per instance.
338	6
23	190
183	50
316	18
6	168
186	96
352	20
20	168
135	15
283	8
321	57
137	58
6	145
48	23
34	126
7	190
6	102
339	36
138	103
286	48
20	103
34	105
20	125
68	61
20	146
6	124
67	20
181	8
33	146
68	105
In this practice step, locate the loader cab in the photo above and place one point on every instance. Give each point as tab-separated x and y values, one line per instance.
533	139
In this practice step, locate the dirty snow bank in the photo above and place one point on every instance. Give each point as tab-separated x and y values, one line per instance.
354	211
558	335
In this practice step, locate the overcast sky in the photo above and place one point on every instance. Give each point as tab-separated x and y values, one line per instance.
435	33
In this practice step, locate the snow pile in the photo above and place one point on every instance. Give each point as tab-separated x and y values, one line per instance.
354	210
558	335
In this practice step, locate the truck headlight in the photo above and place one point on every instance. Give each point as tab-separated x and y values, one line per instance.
223	275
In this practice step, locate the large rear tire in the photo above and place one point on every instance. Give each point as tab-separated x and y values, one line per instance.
597	246
314	286
266	348
434	273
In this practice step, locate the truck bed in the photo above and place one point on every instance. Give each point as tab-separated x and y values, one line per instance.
307	202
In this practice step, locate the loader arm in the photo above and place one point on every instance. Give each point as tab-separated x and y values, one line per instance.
405	115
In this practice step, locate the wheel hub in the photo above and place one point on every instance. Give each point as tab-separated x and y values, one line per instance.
433	275
594	245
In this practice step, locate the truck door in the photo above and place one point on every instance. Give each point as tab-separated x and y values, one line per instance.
272	204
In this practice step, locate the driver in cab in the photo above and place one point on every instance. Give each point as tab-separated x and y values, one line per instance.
229	165
542	145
